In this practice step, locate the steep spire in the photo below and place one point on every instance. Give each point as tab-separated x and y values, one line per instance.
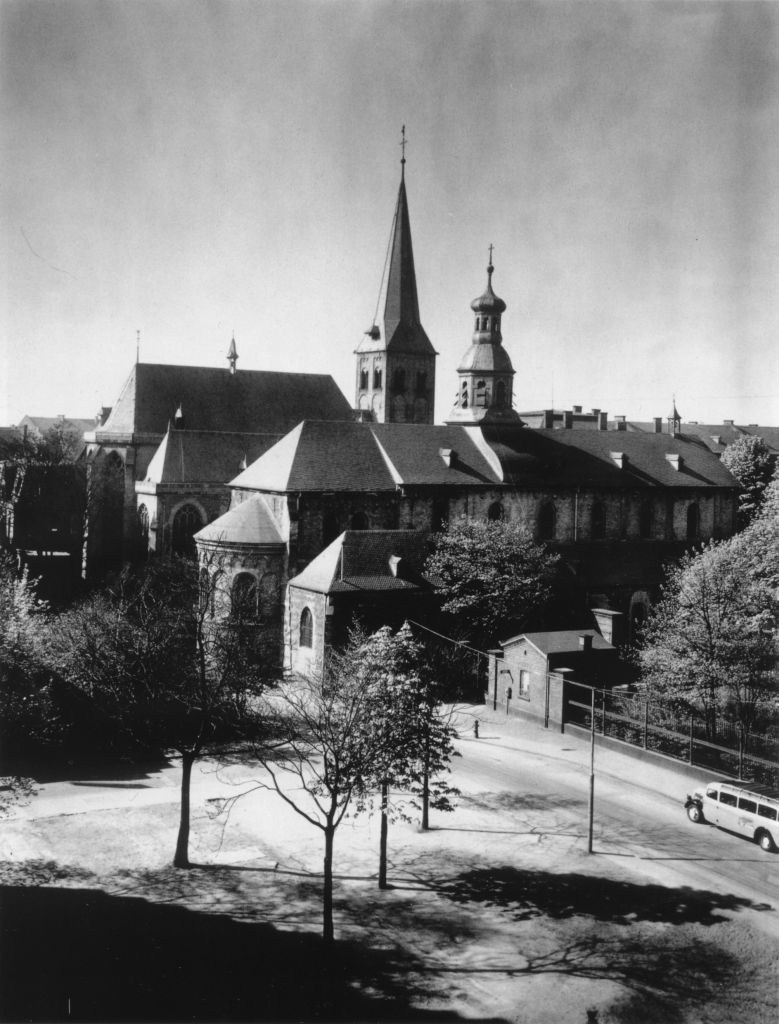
232	355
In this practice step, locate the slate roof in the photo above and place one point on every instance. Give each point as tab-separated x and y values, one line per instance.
202	456
41	424
319	456
359	560
356	457
562	458
250	522
562	641
211	398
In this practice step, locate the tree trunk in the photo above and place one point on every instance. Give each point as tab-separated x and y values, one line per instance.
383	836
426	786
181	858
327	892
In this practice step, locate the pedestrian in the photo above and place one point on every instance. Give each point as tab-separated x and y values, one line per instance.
476	729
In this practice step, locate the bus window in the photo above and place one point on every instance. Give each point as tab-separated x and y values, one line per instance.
764	811
729	799
747	805
712	793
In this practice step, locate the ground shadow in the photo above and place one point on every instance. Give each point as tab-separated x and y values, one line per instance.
85	770
80	954
529	893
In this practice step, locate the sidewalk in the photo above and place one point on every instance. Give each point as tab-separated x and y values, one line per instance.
660	776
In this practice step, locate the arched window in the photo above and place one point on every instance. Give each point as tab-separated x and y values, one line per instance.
143	528
481	393
464	395
244	604
547	522
399	409
693	521
331	528
598	521
645	520
359	521
306	628
363	380
399	379
186	522
496	512
500	394
422	381
377	379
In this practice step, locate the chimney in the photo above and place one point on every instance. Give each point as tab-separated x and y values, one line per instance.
548	419
568	419
727	423
595	413
585	642
603	421
658	424
621	422
577	409
609	625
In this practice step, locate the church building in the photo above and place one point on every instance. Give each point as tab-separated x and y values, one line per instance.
616	505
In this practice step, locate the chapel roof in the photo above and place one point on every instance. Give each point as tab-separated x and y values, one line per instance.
250	522
561	641
212	398
362	560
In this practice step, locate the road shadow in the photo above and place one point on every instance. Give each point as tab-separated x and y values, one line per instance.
79	954
526	894
86	770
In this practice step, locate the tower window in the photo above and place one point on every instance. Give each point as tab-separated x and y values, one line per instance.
399	379
359	521
422	380
500	394
186	523
464	395
376	379
363	380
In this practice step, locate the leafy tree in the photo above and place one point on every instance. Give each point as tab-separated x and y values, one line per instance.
156	666
410	735
325	752
491	575
710	645
751	462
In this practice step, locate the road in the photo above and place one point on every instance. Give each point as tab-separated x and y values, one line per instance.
638	809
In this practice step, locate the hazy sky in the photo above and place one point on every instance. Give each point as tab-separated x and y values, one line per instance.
189	169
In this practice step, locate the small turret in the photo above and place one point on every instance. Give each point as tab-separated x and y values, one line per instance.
232	355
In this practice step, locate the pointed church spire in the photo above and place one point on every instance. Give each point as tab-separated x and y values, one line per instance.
232	355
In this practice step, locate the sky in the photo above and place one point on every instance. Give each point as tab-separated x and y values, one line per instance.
191	169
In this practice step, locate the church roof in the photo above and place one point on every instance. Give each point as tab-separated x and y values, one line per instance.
321	456
401	330
361	560
205	456
560	641
250	522
211	398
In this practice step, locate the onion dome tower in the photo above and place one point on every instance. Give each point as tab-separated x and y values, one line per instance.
395	361
486	376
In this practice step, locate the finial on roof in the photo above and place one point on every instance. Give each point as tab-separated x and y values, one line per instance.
137	347
490	267
178	418
232	354
403	145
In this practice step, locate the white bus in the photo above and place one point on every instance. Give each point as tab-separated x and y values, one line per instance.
751	812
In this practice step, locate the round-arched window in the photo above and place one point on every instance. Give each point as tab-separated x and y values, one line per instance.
547	522
496	512
186	522
244	604
359	521
306	628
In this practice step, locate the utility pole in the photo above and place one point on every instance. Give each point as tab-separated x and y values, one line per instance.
591	807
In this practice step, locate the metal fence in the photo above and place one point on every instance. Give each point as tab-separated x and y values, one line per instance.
636	721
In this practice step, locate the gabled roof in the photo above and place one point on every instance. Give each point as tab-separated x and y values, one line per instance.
41	424
361	560
203	456
211	398
401	329
562	641
319	456
250	522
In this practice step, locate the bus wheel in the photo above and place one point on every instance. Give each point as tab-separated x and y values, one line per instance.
766	842
694	813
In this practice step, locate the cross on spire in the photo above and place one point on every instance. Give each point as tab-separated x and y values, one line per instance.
403	145
491	248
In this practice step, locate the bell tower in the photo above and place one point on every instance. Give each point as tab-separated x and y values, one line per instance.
395	361
485	375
